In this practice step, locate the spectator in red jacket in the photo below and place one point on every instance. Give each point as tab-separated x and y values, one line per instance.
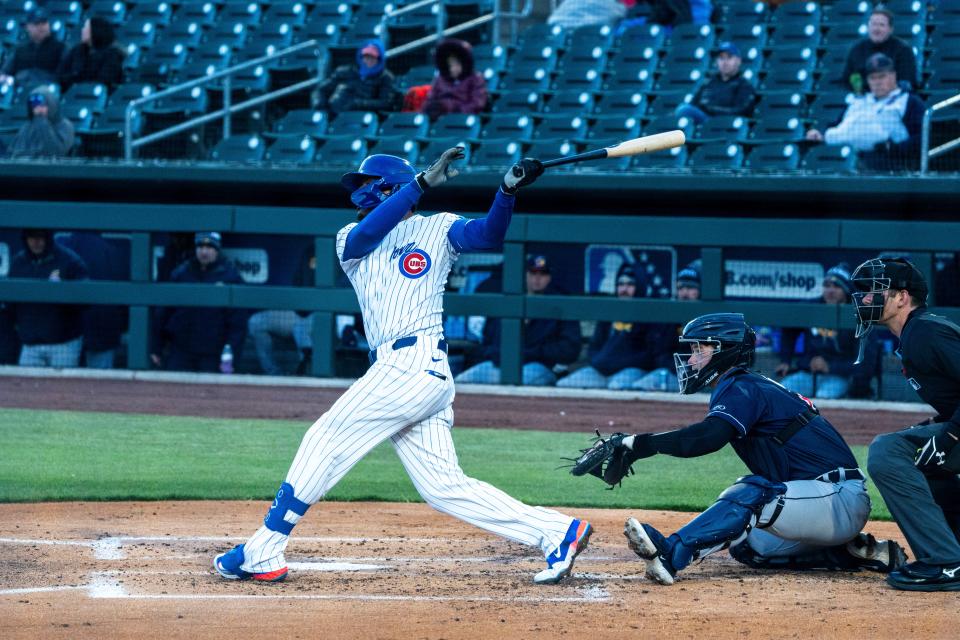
456	87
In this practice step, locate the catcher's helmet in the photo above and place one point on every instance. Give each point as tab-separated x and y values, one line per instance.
389	173
733	343
872	278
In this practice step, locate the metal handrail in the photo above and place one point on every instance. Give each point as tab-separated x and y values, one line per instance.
225	111
925	151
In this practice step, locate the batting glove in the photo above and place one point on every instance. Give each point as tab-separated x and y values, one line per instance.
441	171
521	174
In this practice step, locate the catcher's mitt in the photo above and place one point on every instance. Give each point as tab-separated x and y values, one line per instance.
608	459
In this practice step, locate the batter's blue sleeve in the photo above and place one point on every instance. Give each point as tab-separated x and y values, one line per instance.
375	226
487	233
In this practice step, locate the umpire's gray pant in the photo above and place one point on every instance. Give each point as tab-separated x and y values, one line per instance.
927	507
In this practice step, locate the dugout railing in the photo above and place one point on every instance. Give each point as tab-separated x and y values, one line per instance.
712	235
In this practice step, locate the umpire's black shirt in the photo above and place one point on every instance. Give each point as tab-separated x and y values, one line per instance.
930	351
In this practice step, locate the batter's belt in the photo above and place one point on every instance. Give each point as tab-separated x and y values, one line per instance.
409	341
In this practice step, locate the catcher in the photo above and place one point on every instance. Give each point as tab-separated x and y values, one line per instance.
805	502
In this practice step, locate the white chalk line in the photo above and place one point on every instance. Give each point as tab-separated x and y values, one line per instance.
28	590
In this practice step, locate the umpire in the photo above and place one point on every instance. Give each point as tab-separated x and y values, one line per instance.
916	469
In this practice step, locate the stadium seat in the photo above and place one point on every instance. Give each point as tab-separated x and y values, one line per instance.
549	149
126	93
514	101
790	34
944	67
669	123
343	151
159	12
847	32
400	146
201	12
774	102
297	123
7	94
292	12
490	57
833	61
353	124
631	75
187	32
561	126
607	129
844	10
945	35
543	35
808	11
113	11
774	157
573	101
679	78
104	138
780	127
12	119
80	115
627	103
743	11
591	42
415	76
723	128
497	153
337	11
586	75
411	125
267	43
241	148
326	33
69	13
688	55
825	158
828	108
675	158
292	150
644	38
218	55
792	58
717	155
702	35
248	14
465	126
527	76
535	54
908	10
91	95
136	32
666	102
786	79
509	126
747	36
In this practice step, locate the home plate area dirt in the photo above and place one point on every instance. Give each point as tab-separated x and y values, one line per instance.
375	570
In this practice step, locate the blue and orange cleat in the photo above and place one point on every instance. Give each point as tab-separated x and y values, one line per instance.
560	562
228	565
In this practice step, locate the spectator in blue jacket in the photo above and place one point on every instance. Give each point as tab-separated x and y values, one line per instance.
51	333
194	337
824	368
546	343
618	353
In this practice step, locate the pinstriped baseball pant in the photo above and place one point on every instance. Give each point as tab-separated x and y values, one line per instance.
407	396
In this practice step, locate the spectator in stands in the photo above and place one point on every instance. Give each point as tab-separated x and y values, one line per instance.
195	337
51	333
883	126
368	86
669	13
571	14
456	87
880	39
98	57
46	134
726	93
35	62
263	326
825	367
178	249
618	352
546	343
663	338
103	324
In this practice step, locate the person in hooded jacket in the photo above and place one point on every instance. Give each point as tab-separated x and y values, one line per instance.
51	333
368	86
46	133
194	337
456	87
97	58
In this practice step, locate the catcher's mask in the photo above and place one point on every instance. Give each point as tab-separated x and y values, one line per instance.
871	281
732	341
389	173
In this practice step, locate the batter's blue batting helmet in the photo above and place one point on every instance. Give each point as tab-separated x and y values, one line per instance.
733	343
389	173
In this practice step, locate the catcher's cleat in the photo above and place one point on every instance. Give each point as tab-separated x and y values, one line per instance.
228	565
560	562
651	546
882	556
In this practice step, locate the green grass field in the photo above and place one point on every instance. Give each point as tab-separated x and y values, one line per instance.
62	455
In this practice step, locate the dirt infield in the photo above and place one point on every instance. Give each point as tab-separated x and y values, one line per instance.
292	403
375	570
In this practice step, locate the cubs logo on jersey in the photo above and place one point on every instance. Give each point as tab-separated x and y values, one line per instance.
415	264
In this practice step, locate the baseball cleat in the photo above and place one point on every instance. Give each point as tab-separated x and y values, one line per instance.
228	566
641	538
882	556
920	576
560	562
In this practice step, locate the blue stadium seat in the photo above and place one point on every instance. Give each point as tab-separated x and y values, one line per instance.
292	150
615	128
69	13
137	32
353	124
343	151
411	125
327	33
188	32
549	149
336	11
702	35
805	34
104	138
80	115
627	103
561	126
527	76
536	54
297	123
219	55
833	61
113	11
584	75
945	35
717	155
747	36
592	42
908	10
675	158
846	10
400	146
292	12
823	158
846	32
782	127
722	129
775	157
497	153
228	32
514	101
159	12
666	102
808	11
241	148
492	57
743	11
265	43
201	12
419	75
92	95
688	55
647	39
129	92
464	126
786	79
669	122
792	58
543	35
571	101
827	108
775	102
631	75
944	69
677	78
249	14
509	126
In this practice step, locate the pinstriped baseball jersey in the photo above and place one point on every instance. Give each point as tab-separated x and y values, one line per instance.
400	283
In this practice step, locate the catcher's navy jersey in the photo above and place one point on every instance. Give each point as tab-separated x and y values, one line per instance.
759	408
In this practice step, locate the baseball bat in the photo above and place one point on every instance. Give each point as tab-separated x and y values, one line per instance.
646	144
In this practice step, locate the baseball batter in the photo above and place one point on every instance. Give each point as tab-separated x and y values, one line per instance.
806	501
398	263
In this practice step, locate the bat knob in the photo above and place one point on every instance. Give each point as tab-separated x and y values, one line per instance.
517	171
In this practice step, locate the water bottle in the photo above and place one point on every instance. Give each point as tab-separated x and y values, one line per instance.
662	379
226	360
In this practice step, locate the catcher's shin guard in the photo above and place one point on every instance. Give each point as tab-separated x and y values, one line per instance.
726	522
